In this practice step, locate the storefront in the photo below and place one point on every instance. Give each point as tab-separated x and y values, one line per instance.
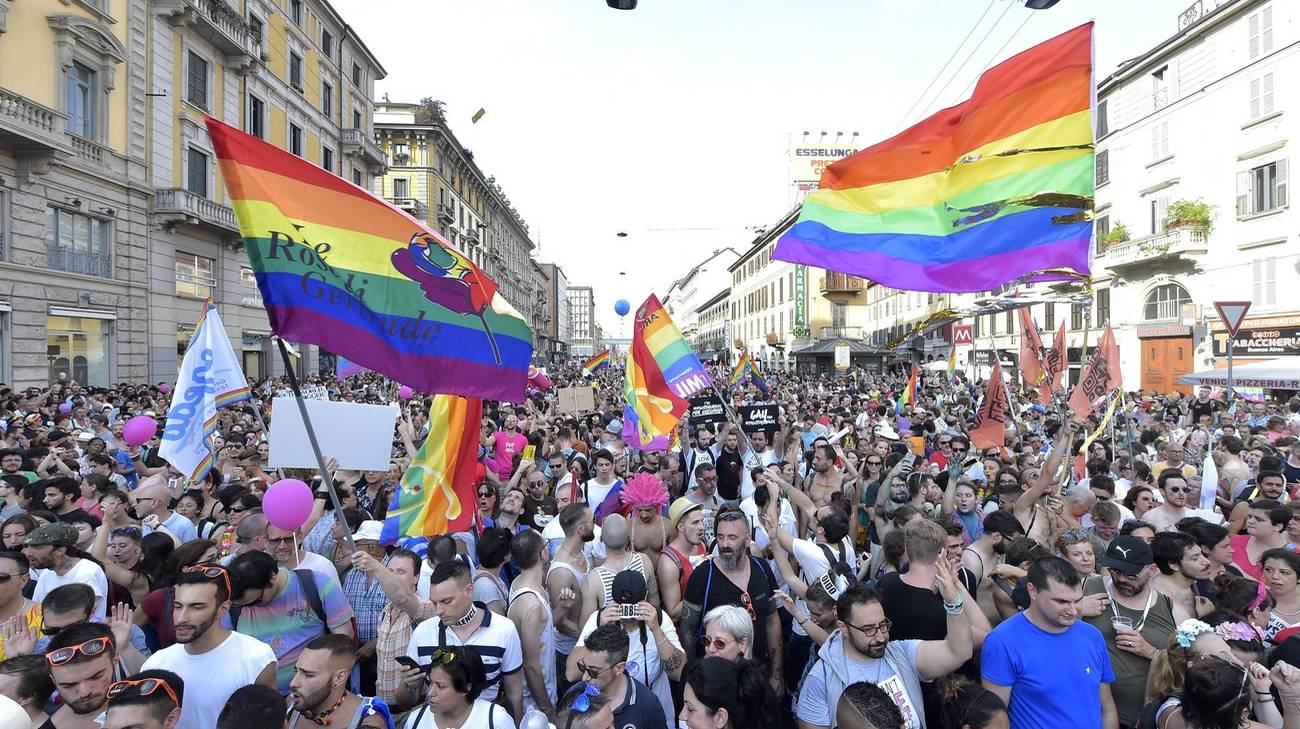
1260	337
79	346
1167	354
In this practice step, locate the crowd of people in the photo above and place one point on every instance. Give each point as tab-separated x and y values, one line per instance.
860	564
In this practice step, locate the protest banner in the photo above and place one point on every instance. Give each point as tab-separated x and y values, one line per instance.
706	409
575	399
759	419
359	437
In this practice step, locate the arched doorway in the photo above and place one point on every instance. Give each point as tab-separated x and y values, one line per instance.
1166	342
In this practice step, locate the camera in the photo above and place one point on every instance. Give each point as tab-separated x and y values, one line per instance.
627	611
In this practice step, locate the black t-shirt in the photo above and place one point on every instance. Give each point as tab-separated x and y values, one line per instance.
917	614
730	472
722	591
74	515
1199	408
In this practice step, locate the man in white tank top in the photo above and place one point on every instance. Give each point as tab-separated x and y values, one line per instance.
530	610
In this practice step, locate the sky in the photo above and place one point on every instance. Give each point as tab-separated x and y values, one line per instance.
672	122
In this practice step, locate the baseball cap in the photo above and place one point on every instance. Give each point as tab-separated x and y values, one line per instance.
56	533
629	587
1127	554
680	508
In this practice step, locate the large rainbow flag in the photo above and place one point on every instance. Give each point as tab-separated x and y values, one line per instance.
995	188
342	269
596	363
437	493
662	373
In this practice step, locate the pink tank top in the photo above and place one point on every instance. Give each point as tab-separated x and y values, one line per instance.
506	447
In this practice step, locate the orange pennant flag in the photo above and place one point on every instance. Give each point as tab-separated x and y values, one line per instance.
1100	376
1031	367
991	431
1053	366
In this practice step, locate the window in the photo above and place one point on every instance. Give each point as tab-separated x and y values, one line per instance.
194	276
1159	141
327	158
1103	118
1259	27
256	117
295	11
249	280
1011	322
1103	167
257	29
993	324
77	243
356	177
326	44
1102	232
1049	316
1158	207
401	187
1160	87
196	174
356	119
78	349
356	74
1076	317
295	139
401	153
1261	96
1103	306
80	81
4	211
1165	302
1263	273
975	323
196	80
1262	189
295	70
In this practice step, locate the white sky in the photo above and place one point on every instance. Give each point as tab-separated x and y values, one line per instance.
677	115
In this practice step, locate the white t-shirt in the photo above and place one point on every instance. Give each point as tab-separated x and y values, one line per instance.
85	572
645	657
422	718
496	641
210	678
596	491
319	565
813	563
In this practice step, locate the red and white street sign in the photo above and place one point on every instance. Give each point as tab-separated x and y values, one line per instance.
1232	313
961	334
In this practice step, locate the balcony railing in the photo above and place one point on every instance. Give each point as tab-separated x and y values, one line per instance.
86	263
357	143
216	21
445	214
1169	244
409	204
843	284
776	339
840	333
88	150
28	126
176	205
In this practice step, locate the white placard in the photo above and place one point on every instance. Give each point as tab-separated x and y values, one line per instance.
359	436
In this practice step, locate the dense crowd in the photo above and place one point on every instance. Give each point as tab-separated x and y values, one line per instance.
861	564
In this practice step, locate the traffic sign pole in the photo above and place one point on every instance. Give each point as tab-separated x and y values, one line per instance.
1232	314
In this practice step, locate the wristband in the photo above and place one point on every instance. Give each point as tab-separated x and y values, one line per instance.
955	608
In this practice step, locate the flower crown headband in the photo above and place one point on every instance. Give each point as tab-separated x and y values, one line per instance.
1189	630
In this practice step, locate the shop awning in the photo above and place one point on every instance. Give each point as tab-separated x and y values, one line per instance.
1281	373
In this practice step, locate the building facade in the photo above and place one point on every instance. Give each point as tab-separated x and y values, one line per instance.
702	282
582	321
712	340
559	328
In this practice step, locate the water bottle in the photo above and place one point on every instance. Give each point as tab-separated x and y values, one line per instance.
534	719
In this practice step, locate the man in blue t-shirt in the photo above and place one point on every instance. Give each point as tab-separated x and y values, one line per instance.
1051	669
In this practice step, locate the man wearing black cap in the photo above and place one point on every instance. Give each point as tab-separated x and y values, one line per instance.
1136	622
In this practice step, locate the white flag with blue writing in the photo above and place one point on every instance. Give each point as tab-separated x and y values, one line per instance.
210	377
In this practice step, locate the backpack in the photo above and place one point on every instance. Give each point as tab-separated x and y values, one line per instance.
839	564
307	579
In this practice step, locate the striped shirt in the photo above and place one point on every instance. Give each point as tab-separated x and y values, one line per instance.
496	641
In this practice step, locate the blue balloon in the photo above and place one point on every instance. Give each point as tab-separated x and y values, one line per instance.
621	307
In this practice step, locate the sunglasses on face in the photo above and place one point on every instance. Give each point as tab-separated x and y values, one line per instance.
89	649
592	673
240	510
143	687
280	540
717	643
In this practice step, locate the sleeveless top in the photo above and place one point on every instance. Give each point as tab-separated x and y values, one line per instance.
607	577
563	643
547	640
294	716
684	566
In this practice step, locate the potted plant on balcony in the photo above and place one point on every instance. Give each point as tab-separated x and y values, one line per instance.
1189	214
1118	234
401	158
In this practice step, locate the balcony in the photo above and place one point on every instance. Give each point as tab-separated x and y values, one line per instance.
358	144
223	26
775	339
1161	247
410	204
444	213
35	133
840	333
841	286
175	206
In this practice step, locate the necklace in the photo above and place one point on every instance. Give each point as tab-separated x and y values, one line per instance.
465	620
323	718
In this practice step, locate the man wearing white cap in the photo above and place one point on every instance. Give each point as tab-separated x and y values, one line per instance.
368	599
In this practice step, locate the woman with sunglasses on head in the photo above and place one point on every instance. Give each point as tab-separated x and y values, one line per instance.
1076	547
722	694
456	678
1139	500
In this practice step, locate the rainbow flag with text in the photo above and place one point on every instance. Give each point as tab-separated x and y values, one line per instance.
662	374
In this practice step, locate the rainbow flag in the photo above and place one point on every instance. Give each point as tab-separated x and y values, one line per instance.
952	364
596	363
345	368
437	494
995	188
342	269
911	394
662	373
747	368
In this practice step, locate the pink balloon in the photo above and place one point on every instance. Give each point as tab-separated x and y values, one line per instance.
139	430
65	408
164	388
287	503
405	392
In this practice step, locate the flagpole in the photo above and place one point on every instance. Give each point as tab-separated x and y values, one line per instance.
257	413
315	445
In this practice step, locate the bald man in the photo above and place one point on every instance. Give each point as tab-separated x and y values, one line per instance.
153	504
616	536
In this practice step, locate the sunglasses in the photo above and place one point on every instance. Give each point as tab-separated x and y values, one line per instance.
143	687
442	657
717	643
127	531
748	604
5	576
238	511
211	572
592	673
89	649
1177	489
582	703
280	540
959	450
875	463
485	494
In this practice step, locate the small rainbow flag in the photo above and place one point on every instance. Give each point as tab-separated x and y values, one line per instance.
995	188
596	363
662	372
911	393
345	368
952	364
747	368
437	492
342	269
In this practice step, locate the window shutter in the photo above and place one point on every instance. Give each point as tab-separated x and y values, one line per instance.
1266	29
1266	94
1243	194
1255	99
1252	23
1256	280
1280	178
1155	142
1270	281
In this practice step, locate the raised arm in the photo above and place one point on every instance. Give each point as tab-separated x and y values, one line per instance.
935	658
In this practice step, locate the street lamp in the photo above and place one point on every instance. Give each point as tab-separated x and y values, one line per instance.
621	4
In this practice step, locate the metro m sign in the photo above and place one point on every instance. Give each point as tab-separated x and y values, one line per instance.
961	334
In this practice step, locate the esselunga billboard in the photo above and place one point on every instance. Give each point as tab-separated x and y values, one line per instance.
807	161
